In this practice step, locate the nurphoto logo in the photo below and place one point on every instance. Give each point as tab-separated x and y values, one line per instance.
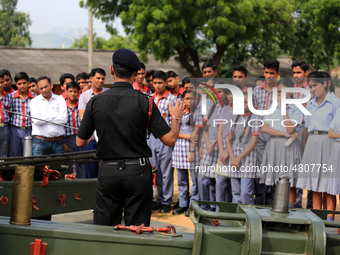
238	100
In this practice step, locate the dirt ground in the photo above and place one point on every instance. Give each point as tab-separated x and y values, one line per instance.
178	220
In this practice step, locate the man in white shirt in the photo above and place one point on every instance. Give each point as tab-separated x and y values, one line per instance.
48	137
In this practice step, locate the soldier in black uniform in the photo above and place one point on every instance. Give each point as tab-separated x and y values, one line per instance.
120	116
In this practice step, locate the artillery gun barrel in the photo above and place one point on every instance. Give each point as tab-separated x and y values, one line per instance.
21	209
75	157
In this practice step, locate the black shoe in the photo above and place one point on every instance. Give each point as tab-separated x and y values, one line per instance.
179	210
155	206
187	213
165	209
176	205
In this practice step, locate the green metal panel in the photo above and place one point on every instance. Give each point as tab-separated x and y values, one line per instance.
48	197
253	238
85	239
196	249
246	229
333	240
242	229
223	239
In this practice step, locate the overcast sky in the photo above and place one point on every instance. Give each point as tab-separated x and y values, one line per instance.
48	14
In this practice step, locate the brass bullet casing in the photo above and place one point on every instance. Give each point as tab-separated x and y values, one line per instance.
21	209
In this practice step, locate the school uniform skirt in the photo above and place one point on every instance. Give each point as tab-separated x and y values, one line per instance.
208	161
222	169
180	154
194	165
279	160
312	174
248	167
333	182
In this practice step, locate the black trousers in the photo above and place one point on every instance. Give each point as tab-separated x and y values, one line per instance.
129	188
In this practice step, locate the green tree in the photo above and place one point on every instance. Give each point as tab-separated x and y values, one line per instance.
83	42
117	42
13	25
114	42
317	37
187	28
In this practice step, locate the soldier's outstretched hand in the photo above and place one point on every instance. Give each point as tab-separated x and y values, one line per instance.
178	110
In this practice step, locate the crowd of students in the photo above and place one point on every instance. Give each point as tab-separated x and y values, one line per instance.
32	109
304	147
204	144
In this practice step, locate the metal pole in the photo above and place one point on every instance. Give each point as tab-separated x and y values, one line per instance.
90	36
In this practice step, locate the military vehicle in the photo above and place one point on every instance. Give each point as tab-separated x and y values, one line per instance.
234	229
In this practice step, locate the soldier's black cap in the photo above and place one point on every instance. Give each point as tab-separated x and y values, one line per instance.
126	58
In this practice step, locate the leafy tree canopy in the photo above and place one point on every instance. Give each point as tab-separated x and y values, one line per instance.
13	25
317	36
114	42
226	32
